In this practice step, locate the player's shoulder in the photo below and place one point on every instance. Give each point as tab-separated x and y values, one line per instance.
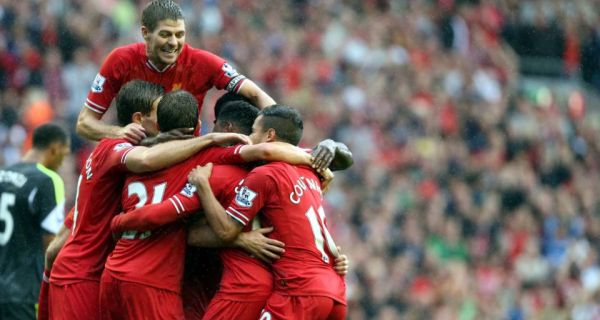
198	56
115	144
127	53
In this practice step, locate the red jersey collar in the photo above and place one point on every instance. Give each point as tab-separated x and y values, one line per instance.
151	65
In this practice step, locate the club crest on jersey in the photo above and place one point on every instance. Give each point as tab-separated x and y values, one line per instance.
122	146
188	190
245	197
98	84
229	70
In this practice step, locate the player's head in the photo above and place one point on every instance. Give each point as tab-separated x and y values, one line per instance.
136	102
163	29
53	143
235	116
177	110
277	123
226	98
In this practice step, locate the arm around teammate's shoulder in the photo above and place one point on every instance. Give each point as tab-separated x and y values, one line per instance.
163	155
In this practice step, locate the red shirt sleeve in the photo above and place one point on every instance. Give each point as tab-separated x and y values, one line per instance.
106	84
251	197
117	155
224	75
157	215
220	155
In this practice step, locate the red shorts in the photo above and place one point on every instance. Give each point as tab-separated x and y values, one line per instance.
220	308
74	301
129	300
280	307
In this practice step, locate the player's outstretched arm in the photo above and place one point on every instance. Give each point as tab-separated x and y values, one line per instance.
224	227
276	151
255	94
254	242
142	159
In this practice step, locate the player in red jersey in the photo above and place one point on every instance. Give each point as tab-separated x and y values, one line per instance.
142	276
306	285
164	58
75	275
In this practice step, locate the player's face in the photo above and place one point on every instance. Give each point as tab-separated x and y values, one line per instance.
59	152
258	135
149	122
165	42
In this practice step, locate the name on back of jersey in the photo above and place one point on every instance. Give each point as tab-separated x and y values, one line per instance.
300	186
16	178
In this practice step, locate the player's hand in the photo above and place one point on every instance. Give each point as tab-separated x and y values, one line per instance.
133	132
259	246
326	179
114	227
200	174
225	139
342	264
323	154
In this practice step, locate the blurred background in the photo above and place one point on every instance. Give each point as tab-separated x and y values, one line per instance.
474	126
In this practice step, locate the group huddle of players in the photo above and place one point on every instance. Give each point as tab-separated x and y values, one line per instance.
246	190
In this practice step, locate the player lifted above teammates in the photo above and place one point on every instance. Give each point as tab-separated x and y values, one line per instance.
165	59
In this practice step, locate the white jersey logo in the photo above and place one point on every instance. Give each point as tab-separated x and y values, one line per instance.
245	197
188	190
229	70
98	84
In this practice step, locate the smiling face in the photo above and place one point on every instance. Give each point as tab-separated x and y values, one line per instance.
165	42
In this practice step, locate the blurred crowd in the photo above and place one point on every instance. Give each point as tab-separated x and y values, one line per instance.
468	199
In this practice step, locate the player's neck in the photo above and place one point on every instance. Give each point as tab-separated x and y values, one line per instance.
159	65
36	156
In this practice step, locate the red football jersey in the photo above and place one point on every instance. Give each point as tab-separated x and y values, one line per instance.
155	258
195	71
96	202
291	201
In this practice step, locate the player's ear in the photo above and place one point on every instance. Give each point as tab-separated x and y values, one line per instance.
271	135
136	117
145	33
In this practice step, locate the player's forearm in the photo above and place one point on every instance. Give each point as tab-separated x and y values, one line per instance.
148	217
89	127
166	154
54	247
343	158
223	226
255	94
275	151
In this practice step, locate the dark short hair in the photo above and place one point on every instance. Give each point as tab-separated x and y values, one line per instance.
286	121
136	96
177	109
159	10
239	113
226	98
47	134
